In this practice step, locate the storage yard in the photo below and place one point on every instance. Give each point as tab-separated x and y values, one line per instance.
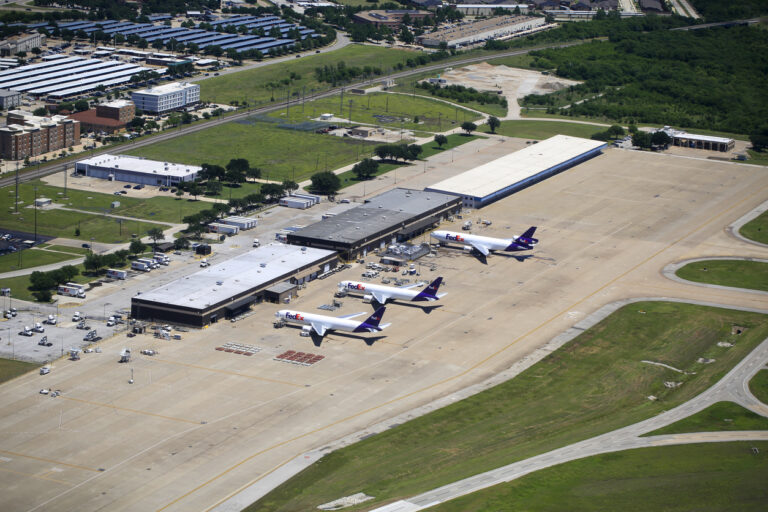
199	424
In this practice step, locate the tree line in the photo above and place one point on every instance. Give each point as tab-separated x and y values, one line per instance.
463	94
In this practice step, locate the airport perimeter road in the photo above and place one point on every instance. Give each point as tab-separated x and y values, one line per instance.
184	130
733	387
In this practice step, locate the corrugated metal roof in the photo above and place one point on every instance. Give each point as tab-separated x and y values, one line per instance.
518	166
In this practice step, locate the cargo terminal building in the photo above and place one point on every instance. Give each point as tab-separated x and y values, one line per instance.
495	180
393	216
229	288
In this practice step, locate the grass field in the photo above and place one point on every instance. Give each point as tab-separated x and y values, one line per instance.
722	416
32	258
396	111
759	386
757	228
757	157
752	275
592	385
430	148
539	130
704	477
281	154
10	369
62	223
253	85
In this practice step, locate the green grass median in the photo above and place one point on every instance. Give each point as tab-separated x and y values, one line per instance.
10	369
752	275
706	477
594	384
759	386
718	417
757	228
30	258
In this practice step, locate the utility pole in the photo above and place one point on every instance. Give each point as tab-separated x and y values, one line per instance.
350	111
341	102
35	214
17	186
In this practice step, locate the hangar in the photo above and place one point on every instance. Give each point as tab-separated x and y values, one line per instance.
133	169
395	215
226	289
490	182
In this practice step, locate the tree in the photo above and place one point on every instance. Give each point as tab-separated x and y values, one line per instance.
759	138
181	243
406	35
234	176
289	186
155	234
93	262
40	111
81	105
273	191
660	138
137	247
195	189
325	183
213	188
440	140
468	127
365	169
493	123
36	50
641	139
253	173
142	43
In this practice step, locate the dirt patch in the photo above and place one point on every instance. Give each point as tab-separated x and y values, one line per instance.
514	83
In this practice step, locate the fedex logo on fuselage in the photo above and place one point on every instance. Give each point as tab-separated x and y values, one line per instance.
455	238
293	316
355	286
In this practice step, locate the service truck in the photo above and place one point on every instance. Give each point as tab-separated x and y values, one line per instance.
117	274
162	259
150	263
72	290
138	265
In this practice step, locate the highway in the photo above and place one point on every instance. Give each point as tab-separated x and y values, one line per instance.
184	130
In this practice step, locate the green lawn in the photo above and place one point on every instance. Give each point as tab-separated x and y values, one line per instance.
757	157
752	275
397	111
32	258
280	153
10	369
722	416
348	178
759	386
705	477
252	85
757	228
594	384
515	61
539	130
62	223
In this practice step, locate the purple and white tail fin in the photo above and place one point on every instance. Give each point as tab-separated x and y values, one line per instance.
430	292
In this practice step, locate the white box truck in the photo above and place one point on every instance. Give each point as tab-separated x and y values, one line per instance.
149	263
117	274
72	290
141	266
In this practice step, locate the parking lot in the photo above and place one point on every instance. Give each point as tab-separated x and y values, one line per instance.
197	424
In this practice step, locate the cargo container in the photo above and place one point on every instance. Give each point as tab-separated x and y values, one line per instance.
117	274
225	229
72	290
296	202
244	223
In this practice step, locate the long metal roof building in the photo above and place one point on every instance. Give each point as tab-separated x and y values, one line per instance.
205	296
515	171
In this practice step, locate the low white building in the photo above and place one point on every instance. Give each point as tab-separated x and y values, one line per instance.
133	169
167	97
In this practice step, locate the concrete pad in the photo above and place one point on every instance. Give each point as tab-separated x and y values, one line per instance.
198	425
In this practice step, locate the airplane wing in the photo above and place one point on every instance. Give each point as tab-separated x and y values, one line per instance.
353	315
480	248
408	287
380	297
319	328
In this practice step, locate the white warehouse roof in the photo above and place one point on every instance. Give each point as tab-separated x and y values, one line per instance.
139	165
504	172
167	88
235	276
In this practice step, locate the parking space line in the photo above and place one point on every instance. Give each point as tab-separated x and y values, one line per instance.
41	477
229	372
136	411
42	459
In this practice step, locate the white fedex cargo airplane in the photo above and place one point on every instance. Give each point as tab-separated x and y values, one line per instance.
320	324
382	294
485	244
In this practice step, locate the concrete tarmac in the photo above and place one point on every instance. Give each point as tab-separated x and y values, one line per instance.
199	425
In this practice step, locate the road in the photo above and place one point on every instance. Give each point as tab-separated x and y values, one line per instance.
734	387
184	130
